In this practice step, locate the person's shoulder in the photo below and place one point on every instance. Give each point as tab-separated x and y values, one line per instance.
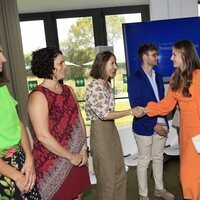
36	100
197	72
38	88
68	88
4	89
5	92
138	75
157	74
93	82
196	76
37	94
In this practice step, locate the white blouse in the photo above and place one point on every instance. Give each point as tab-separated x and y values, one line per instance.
99	100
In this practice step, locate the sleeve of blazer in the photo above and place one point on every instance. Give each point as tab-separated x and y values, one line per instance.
137	90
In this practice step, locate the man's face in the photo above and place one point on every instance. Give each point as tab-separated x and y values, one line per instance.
151	58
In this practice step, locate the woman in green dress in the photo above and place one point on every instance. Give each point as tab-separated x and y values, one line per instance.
17	172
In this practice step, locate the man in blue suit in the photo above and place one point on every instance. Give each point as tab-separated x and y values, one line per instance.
150	132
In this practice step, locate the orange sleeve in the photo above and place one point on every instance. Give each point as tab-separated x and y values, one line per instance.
162	107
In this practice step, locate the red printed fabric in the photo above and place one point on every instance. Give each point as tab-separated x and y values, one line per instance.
64	124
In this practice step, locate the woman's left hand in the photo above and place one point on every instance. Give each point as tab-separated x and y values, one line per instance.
29	171
84	155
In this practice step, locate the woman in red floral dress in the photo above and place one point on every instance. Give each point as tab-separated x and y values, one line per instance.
60	143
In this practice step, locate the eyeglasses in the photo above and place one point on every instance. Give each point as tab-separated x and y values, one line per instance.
152	54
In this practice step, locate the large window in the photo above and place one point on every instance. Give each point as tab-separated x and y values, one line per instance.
33	38
115	39
76	40
76	33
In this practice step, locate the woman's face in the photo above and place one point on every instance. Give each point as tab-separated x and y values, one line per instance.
111	67
177	59
2	60
60	67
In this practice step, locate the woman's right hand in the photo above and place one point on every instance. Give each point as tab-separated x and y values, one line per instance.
22	183
75	159
138	111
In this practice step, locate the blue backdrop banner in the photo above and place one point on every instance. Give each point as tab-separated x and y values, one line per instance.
163	33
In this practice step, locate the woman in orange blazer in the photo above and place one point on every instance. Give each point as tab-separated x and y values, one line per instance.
184	89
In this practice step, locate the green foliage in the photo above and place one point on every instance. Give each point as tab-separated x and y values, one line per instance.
114	28
79	47
73	72
80	93
27	59
27	62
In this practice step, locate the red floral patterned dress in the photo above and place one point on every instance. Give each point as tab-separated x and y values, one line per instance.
57	177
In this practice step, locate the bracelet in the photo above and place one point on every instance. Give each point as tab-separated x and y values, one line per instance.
131	112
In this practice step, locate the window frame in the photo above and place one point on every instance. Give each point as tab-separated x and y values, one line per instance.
98	17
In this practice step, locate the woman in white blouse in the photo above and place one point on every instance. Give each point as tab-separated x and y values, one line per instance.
106	148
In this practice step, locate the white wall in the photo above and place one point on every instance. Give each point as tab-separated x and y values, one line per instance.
29	6
170	9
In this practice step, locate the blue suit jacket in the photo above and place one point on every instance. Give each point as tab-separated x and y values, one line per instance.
140	93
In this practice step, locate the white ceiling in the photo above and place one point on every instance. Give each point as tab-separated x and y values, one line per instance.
32	6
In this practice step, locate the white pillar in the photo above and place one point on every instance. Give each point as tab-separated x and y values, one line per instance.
171	9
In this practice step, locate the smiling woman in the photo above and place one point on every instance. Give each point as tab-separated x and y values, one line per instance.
106	148
59	128
184	90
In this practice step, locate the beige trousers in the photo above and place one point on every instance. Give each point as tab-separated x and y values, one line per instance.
108	161
150	147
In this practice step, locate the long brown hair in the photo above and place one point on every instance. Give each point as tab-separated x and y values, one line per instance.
182	80
99	65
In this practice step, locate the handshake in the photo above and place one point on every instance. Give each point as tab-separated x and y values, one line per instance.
138	111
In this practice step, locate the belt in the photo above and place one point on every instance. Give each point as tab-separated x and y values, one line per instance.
7	153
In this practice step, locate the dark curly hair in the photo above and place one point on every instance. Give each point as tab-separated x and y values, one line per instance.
42	64
98	67
181	80
144	48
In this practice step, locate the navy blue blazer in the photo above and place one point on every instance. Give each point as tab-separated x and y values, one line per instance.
140	93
